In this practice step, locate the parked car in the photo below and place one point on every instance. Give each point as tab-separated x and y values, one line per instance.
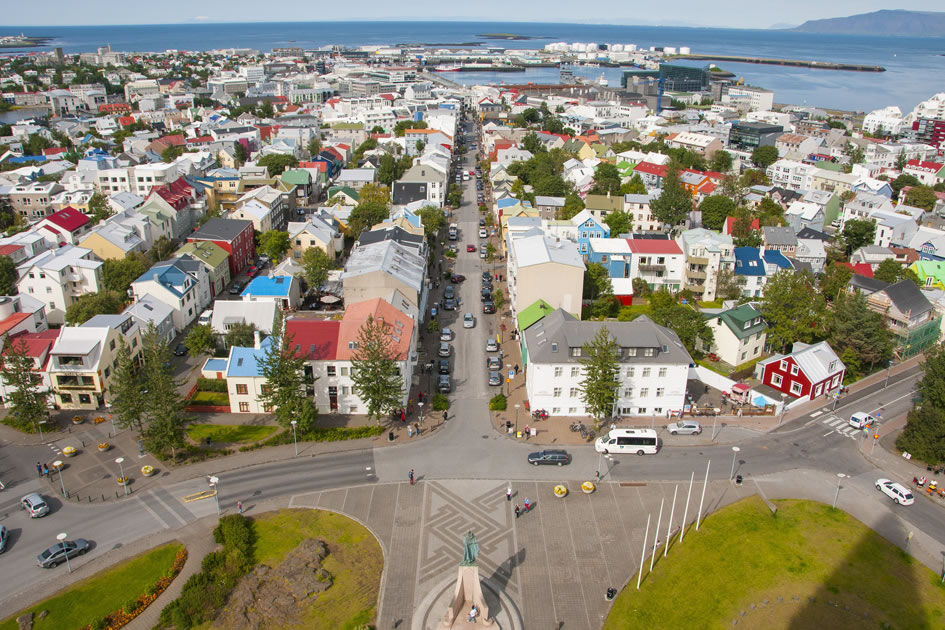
446	335
485	295
495	378
493	363
444	366
444	385
236	287
482	251
482	223
684	427
205	317
35	505
180	350
483	233
4	536
551	456
252	271
444	350
468	320
471	248
56	555
895	491
488	308
449	304
492	345
456	278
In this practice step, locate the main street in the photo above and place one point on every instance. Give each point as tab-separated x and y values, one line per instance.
465	450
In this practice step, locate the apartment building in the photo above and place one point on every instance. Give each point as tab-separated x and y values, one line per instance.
58	277
706	254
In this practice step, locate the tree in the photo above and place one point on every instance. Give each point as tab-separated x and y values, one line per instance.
119	273
241	335
715	208
770	212
171	153
889	271
375	194
284	371
721	161
274	244
99	208
90	304
727	285
834	279
387	171
367	215
400	129
240	155
853	325
315	266
596	281
27	399
633	187
455	196
619	222
793	309
924	435
8	276
375	373
572	205
277	163
200	340
735	188
433	220
922	197
857	233
552	124
126	390
640	287
599	359
901	182
314	146
266	110
932	386
163	405
901	161
674	202
162	249
764	156
606	179
498	298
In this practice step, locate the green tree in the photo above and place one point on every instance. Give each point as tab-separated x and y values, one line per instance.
901	182
315	266
126	390
119	273
162	249
163	405
375	373
27	399
674	202
201	340
619	222
727	285
8	276
599	383
498	298
402	126
857	233
834	279
99	208
455	196
387	171
375	194
640	287
532	144
606	179
853	325
901	161
932	386
633	187
596	280
266	110
90	304
314	146
241	335
240	154
715	209
171	153
433	220
921	197
721	162
284	371
274	244
367	215
889	271
924	435
770	212
277	163
735	188
572	205
764	156
793	309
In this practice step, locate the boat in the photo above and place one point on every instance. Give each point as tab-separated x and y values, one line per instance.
602	81
447	68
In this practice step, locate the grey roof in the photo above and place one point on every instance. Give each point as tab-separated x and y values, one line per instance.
541	200
908	298
775	235
391	233
221	229
808	232
550	340
867	285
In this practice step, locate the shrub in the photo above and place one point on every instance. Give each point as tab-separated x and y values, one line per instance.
130	606
440	402
498	403
99	624
211	384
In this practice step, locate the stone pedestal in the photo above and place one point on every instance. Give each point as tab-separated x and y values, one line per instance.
467	593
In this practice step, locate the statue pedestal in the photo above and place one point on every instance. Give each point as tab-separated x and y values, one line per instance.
467	593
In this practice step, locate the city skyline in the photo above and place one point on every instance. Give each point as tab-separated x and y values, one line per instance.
731	13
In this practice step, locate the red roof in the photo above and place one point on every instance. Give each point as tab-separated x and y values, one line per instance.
318	166
730	223
314	339
357	314
69	219
653	246
54	151
36	343
292	108
650	169
7	250
342	145
200	140
265	131
125	121
386	96
177	140
933	167
863	269
177	193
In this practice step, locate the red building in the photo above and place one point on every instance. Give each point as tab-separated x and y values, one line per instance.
233	235
808	372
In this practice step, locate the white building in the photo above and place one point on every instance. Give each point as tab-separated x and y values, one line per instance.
706	254
886	121
59	277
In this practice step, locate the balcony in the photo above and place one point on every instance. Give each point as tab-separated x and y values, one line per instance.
652	267
76	382
696	288
698	275
696	260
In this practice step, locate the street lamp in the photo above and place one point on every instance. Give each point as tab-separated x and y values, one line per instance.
295	437
783	409
836	496
420	404
735	450
122	469
58	466
215	484
888	368
61	538
516	417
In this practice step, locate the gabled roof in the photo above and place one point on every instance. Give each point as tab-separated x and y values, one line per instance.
653	246
532	313
313	339
399	327
69	219
218	229
815	360
244	362
736	319
908	298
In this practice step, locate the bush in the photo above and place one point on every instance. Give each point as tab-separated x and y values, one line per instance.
211	384
440	402
498	403
130	606
99	624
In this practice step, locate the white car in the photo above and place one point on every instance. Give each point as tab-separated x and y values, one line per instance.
483	234
468	321
492	345
684	427
895	491
446	335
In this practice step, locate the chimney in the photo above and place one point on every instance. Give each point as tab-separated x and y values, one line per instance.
257	339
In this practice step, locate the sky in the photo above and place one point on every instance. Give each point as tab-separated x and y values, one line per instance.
721	13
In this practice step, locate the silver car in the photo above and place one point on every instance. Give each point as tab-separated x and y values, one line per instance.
492	345
468	320
34	505
56	555
685	427
495	378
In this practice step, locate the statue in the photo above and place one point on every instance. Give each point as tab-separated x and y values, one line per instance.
470	550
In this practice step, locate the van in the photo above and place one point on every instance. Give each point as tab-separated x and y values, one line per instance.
861	420
454	231
205	317
639	441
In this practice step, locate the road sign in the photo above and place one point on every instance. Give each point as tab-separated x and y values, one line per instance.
511	374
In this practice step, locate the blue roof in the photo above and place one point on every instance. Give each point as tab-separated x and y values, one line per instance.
23	159
748	262
505	203
775	257
264	285
215	365
169	275
245	361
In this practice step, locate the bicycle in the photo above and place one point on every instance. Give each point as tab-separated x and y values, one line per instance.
578	426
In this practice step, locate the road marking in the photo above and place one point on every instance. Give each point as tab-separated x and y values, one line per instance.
816	413
826	434
153	513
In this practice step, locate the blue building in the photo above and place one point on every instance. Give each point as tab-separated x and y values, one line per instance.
754	266
587	228
613	253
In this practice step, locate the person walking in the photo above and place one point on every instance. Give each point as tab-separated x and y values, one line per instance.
517	511
410	476
528	504
39	469
239	506
508	493
45	470
528	432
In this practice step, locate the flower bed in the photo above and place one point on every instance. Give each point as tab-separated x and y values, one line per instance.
122	481
99	420
103	446
77	419
135	607
561	491
587	487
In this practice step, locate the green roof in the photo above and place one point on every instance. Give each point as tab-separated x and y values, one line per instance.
829	166
344	125
297	177
737	318
929	268
205	251
532	313
345	190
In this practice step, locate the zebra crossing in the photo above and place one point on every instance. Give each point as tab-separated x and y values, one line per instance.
839	425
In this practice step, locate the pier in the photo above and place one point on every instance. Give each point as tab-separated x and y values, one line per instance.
802	63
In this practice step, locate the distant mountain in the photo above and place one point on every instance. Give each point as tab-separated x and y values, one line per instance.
782	26
885	22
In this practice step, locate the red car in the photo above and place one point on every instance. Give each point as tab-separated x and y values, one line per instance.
252	272
471	248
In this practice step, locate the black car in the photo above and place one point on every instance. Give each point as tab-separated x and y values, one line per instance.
488	308
551	456
486	275
180	350
486	295
4	536
449	304
449	293
444	366
482	223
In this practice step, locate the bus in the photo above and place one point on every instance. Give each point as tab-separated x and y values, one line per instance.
639	441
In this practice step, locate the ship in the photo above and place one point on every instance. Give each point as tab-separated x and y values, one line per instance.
447	68
602	81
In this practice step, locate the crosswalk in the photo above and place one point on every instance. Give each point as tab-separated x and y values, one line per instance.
840	426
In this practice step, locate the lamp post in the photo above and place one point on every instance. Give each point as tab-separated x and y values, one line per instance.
122	470
888	368
62	538
783	409
836	496
735	450
215	484
58	466
420	404
295	437
516	417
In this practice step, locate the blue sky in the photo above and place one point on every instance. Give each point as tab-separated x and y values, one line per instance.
733	13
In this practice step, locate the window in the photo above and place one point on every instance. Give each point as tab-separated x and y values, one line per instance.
744	354
641	411
244	407
330	369
112	344
241	389
572	411
344	371
631	352
107	372
646	372
819	390
659	391
649	352
628	392
555	411
575	371
662	372
783	365
48	289
644	392
796	388
66	398
794	370
657	410
345	390
776	379
559	371
556	393
576	352
574	392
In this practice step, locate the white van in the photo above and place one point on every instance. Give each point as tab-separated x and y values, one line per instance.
639	441
860	420
454	231
205	317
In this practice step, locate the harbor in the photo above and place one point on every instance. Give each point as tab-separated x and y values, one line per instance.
800	63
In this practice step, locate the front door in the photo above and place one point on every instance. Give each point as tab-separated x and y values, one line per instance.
333	397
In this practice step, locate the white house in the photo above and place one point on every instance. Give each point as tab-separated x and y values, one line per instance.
58	277
739	334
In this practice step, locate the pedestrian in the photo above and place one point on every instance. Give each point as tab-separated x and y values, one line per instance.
517	511
501	354
45	470
239	506
528	504
445	418
39	469
403	415
516	368
410	476
527	432
420	396
410	430
508	493
597	476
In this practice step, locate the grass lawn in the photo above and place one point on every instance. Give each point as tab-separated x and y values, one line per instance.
712	365
210	398
230	433
101	594
743	556
712	304
354	561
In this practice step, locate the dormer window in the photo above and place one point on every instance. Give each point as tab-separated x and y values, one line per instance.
576	352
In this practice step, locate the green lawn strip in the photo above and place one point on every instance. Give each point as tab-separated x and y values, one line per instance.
355	563
712	304
743	555
712	365
220	399
230	433
101	594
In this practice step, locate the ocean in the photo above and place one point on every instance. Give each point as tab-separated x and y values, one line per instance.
915	66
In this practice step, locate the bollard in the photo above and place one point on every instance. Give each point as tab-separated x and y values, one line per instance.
82	442
90	498
103	497
67	494
116	494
